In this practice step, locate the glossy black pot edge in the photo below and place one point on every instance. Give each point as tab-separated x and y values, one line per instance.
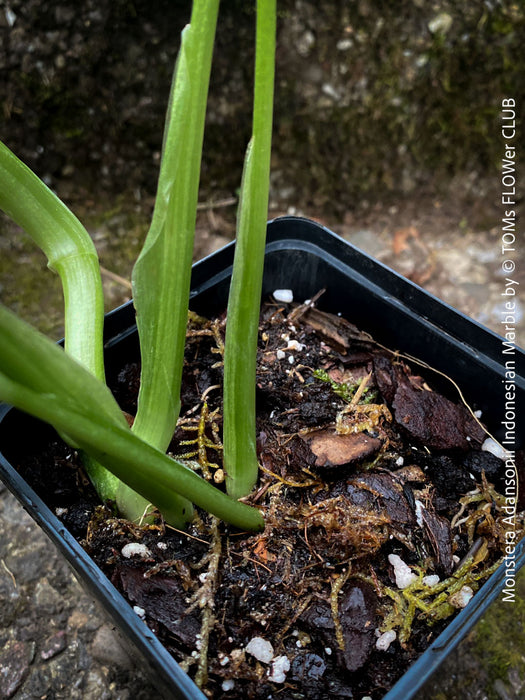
384	289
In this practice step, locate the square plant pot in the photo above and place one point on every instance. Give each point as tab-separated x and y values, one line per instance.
305	257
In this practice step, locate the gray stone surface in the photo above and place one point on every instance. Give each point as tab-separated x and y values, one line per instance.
54	641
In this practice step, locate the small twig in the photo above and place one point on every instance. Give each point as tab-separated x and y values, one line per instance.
204	598
303	308
9	572
116	278
360	390
300	610
183	532
253	561
288	482
207	391
219	204
336	587
148	511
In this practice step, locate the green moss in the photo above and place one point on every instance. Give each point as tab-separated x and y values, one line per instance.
500	638
344	390
27	285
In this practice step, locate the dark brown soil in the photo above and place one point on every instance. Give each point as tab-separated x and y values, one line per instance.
360	462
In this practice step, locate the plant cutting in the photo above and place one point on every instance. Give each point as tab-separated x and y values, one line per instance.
355	526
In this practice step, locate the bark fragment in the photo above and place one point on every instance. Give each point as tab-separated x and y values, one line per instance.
425	415
162	598
334	450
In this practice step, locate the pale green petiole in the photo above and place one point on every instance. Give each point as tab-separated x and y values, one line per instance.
71	253
240	457
161	276
69	250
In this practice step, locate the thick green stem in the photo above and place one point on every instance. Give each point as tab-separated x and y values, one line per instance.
240	457
161	276
71	253
69	250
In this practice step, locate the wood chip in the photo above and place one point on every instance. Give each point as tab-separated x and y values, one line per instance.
333	450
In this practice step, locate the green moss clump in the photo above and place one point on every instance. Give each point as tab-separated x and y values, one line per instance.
344	390
491	658
500	638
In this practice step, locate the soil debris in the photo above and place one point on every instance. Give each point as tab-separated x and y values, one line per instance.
334	330
362	464
430	418
162	599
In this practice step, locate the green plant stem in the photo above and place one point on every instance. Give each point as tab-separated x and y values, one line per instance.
240	457
72	255
35	362
69	250
162	273
147	470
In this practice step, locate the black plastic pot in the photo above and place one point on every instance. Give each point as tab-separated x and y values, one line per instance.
304	256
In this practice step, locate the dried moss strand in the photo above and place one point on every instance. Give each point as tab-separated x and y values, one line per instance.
337	585
204	598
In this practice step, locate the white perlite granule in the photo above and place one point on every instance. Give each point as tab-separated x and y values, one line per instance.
462	597
402	572
494	448
283	295
419	513
261	649
294	345
135	549
279	669
385	640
